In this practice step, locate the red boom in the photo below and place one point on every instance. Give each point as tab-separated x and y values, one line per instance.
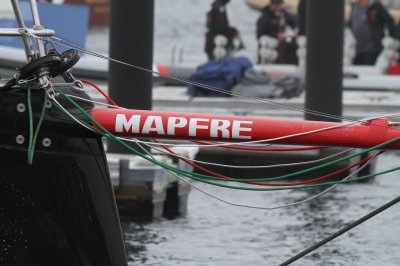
137	123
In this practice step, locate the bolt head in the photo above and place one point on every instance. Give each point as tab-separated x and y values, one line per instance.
20	139
21	107
49	104
46	142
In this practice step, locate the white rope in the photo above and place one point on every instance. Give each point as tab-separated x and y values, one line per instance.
218	198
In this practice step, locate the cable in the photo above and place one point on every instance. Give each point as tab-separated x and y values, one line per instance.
233	143
198	176
266	208
273	184
202	162
297	187
341	231
253	166
31	151
305	171
295	173
241	143
33	133
208	143
211	145
100	90
243	205
263	149
67	44
61	108
95	102
277	138
30	118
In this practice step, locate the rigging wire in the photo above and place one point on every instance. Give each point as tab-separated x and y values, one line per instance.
253	166
263	149
114	105
318	195
266	140
65	43
302	171
367	217
223	200
208	143
209	163
31	151
230	143
274	184
272	139
189	162
199	177
34	132
341	231
100	90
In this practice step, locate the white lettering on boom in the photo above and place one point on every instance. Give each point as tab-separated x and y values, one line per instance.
123	125
237	129
219	126
158	125
212	128
194	125
175	122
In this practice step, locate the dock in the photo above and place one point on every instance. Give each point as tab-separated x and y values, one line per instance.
356	104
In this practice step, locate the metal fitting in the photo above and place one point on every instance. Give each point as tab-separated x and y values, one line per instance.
21	107
20	139
44	81
78	85
49	104
46	142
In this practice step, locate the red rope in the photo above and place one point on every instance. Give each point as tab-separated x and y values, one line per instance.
249	149
265	183
262	149
100	90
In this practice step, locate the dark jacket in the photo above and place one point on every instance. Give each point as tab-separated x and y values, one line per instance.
217	23
378	19
269	23
272	24
301	16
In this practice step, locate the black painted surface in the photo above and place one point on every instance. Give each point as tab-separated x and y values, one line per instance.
131	41
61	210
324	70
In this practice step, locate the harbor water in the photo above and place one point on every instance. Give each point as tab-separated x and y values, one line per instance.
214	233
217	234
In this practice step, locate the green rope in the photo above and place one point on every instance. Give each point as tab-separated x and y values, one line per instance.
258	179
30	118
33	135
352	180
203	178
31	151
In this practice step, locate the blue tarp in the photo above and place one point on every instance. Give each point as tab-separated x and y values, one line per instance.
69	21
222	74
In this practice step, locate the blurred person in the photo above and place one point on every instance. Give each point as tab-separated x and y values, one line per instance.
218	24
301	17
277	23
368	22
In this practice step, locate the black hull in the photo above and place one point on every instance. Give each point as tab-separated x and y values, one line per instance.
61	210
